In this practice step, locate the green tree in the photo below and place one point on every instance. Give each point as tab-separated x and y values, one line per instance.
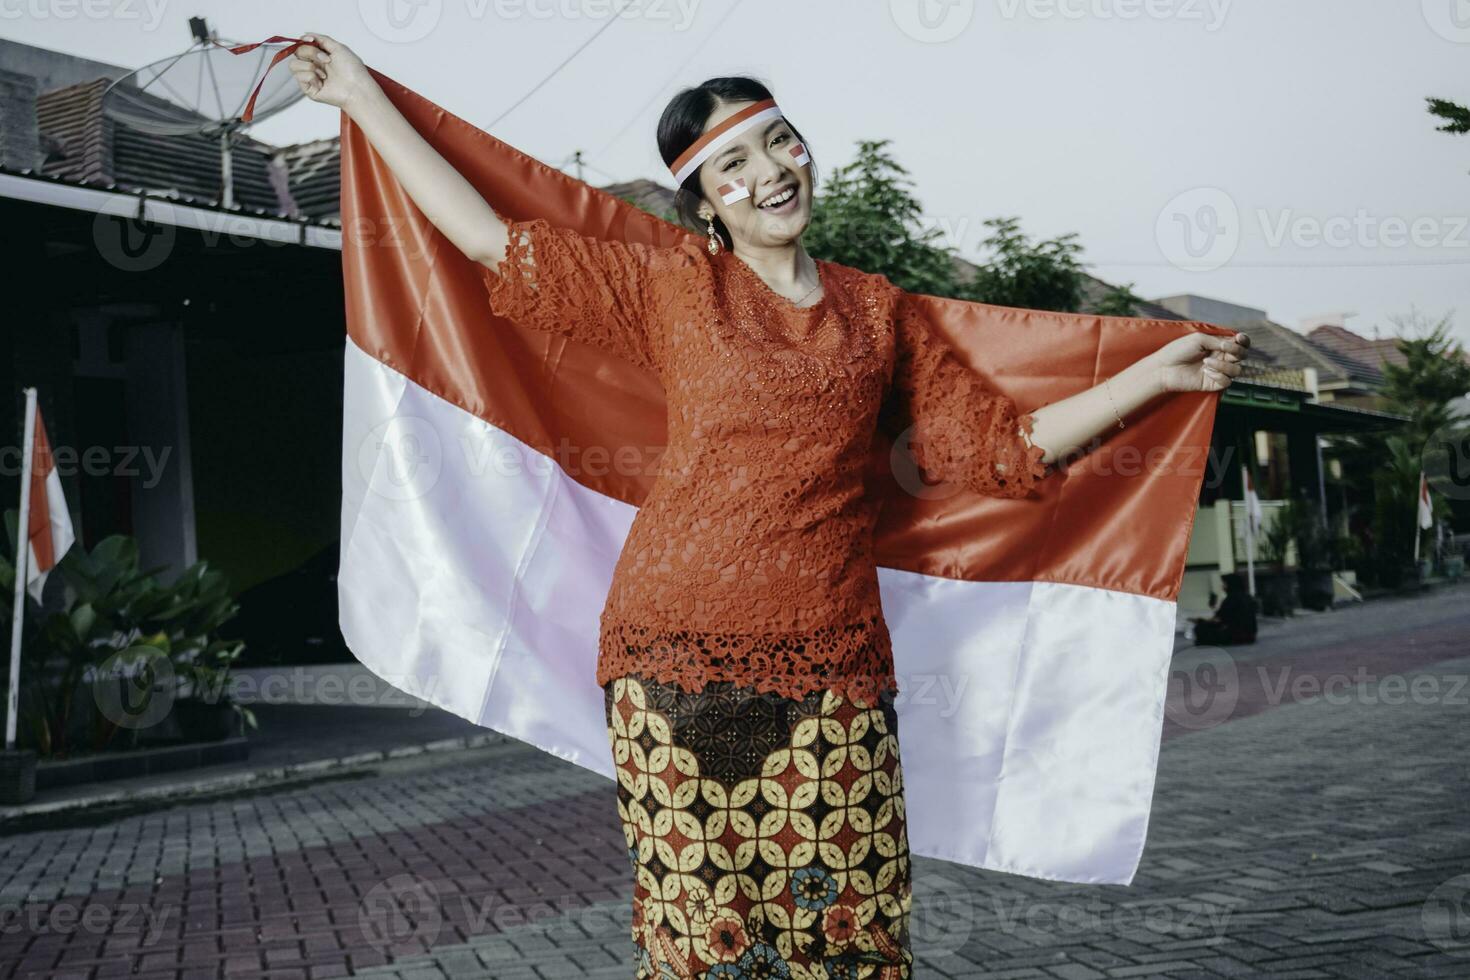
1119	301
665	214
1456	117
1384	466
868	218
1041	276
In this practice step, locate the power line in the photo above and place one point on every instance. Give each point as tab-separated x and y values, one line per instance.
673	75
596	169
1233	264
565	61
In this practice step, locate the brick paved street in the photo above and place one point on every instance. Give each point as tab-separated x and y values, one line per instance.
1311	819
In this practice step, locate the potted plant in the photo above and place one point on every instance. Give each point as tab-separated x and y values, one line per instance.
1313	552
188	614
114	663
1276	585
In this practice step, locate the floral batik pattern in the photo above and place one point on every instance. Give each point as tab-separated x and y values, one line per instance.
766	834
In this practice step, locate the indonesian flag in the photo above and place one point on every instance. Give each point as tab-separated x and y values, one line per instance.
800	155
1032	637
1252	502
48	528
734	191
1426	510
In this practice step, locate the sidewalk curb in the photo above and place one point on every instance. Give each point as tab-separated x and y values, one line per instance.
244	780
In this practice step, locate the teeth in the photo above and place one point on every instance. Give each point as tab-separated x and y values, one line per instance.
780	198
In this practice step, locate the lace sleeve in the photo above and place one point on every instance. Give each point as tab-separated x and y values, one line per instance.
593	291
956	427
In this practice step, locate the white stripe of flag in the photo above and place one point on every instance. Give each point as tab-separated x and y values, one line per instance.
734	191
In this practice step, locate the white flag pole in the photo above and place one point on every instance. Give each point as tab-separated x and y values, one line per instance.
22	551
1250	536
1418	505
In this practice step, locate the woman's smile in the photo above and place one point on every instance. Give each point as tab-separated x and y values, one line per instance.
783	201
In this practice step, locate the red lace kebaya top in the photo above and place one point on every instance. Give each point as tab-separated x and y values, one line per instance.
751	558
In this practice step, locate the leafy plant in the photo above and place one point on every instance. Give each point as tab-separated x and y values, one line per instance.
1119	301
868	218
1274	541
120	621
1301	521
1041	276
1456	117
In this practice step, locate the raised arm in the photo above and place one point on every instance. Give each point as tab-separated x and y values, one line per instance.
329	72
1195	362
956	428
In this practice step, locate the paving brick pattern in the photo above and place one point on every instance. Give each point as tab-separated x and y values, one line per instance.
1292	836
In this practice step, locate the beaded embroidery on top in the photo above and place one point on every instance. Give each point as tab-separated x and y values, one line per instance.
751	558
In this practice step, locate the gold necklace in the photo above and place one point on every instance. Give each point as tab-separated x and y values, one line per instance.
794	302
810	291
797	303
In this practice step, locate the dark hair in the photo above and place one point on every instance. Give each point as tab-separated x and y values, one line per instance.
683	122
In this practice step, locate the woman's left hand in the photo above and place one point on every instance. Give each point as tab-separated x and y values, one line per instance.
1200	361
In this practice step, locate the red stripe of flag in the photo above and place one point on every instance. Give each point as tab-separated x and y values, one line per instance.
39	524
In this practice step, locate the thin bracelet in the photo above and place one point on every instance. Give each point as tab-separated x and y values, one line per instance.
1110	402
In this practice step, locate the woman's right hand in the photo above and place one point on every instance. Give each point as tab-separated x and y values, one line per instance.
329	72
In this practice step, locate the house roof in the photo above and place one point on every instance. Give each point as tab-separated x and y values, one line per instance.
308	180
1275	347
87	147
1374	353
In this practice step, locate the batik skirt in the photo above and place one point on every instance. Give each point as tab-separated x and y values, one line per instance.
766	834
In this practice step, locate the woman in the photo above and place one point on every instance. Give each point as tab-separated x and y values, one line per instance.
748	678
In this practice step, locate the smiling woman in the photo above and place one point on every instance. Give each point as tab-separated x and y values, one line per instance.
746	665
733	127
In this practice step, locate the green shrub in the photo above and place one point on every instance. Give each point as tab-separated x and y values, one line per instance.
118	625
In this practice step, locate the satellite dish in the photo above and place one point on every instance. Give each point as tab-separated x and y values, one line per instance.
202	91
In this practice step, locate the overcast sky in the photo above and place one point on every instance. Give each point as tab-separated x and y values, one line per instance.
1273	154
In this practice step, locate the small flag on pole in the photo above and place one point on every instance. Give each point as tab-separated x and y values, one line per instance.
1252	502
1426	512
50	529
47	534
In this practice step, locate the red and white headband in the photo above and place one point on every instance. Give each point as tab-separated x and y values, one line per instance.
714	140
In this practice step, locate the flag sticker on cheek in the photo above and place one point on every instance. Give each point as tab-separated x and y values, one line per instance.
733	191
799	154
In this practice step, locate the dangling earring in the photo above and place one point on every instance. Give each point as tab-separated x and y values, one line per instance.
714	241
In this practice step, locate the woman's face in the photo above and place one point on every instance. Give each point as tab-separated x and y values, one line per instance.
779	204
